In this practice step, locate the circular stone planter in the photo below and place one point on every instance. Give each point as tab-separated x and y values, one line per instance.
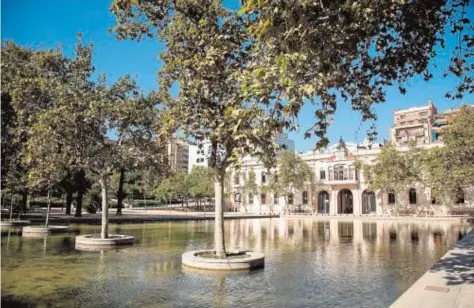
92	241
39	231
249	261
15	223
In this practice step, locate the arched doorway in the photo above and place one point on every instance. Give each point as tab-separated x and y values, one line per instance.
345	202
368	202
323	202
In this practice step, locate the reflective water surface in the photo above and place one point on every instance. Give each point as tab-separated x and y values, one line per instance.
309	263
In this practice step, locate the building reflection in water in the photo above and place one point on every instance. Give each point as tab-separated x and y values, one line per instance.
270	234
308	262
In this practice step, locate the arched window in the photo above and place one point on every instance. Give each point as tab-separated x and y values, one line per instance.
250	198
290	199
305	197
412	196
323	202
391	198
368	202
460	198
237	197
263	197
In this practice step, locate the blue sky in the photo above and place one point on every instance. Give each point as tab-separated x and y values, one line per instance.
46	23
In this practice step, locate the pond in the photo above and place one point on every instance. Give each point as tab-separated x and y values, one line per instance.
309	263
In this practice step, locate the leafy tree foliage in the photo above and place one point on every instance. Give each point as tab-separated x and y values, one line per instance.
244	76
314	50
201	183
74	133
450	169
393	170
205	55
293	174
197	184
28	77
250	183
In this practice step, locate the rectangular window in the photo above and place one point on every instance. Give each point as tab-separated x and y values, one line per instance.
391	198
351	173
290	199
275	199
264	198
236	179
264	178
305	197
250	198
322	174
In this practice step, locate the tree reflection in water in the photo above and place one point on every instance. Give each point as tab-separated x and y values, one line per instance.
309	262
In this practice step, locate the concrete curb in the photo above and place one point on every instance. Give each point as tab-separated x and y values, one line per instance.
254	260
92	241
38	231
448	283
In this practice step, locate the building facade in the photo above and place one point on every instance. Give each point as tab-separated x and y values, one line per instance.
199	154
341	189
178	155
420	124
413	124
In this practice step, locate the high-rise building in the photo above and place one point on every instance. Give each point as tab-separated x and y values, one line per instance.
441	121
199	154
285	143
421	124
413	124
178	155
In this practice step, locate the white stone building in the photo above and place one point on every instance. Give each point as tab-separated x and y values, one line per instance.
340	189
199	155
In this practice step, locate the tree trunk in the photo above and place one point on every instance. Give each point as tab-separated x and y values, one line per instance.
69	199
24	201
105	207
49	206
11	205
79	198
120	193
219	239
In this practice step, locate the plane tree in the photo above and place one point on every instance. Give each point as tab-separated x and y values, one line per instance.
95	127
238	78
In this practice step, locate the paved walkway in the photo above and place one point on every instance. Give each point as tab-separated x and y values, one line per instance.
135	216
449	283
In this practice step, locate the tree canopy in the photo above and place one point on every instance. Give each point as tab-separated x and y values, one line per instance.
242	77
281	55
450	169
293	174
75	131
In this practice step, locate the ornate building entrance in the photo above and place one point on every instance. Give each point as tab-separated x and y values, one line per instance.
323	202
368	202
345	202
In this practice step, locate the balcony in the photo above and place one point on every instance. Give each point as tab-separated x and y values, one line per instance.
342	178
341	181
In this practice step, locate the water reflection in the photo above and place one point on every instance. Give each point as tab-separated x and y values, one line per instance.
308	263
